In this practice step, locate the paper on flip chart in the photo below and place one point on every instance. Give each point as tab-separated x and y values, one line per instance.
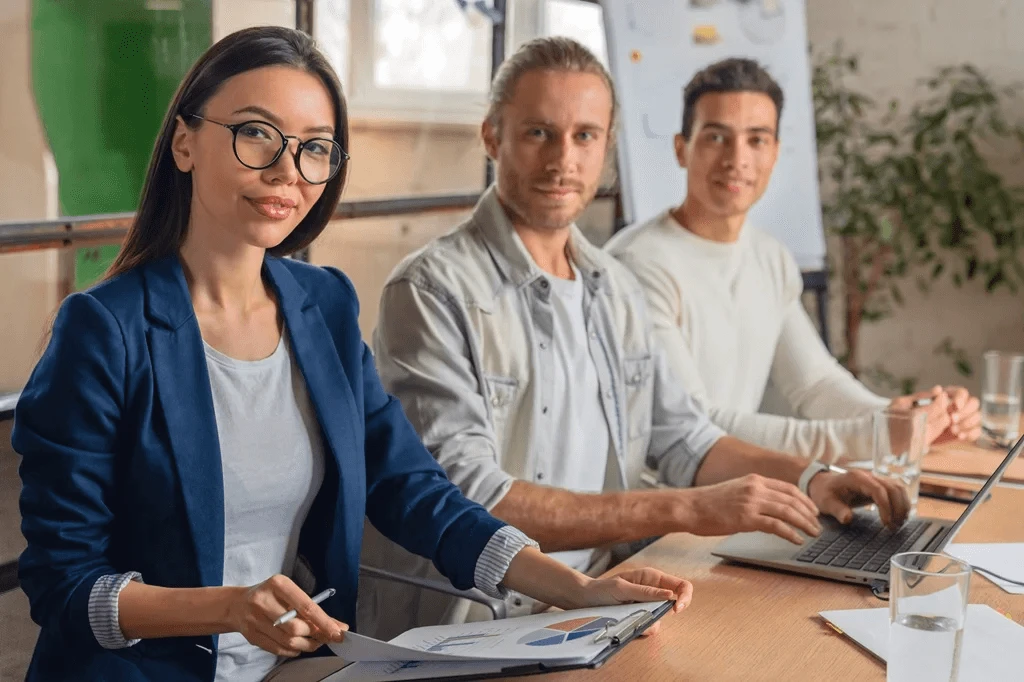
1005	558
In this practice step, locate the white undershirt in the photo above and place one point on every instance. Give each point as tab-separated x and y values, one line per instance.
731	321
273	464
578	426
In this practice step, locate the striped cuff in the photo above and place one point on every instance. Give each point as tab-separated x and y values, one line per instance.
493	562
103	610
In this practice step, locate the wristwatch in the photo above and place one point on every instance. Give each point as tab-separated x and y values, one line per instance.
812	470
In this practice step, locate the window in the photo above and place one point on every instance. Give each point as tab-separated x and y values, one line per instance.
331	26
430	60
582	21
430	45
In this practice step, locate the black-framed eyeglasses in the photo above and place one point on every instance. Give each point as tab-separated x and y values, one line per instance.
259	145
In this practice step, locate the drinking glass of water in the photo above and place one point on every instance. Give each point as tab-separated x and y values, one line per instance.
1000	399
900	443
927	612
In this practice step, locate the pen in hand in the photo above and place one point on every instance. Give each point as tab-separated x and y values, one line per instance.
326	594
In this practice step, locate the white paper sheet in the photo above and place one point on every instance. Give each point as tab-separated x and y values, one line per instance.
357	648
1005	558
993	645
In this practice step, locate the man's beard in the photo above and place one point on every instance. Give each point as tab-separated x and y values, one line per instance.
549	221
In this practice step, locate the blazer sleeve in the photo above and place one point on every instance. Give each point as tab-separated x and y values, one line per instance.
409	498
65	428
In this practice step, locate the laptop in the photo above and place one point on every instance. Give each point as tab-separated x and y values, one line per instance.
860	551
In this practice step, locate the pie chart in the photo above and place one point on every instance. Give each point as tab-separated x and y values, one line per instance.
566	631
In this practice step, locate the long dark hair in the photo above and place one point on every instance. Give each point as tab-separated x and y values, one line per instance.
161	222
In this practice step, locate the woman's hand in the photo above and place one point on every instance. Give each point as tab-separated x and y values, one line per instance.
253	611
546	580
637	585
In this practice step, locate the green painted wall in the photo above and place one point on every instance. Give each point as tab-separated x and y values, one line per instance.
104	72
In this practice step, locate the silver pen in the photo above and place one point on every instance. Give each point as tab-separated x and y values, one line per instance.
630	624
326	594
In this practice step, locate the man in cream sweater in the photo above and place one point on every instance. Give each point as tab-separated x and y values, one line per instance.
725	296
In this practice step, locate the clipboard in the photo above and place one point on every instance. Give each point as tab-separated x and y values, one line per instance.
617	636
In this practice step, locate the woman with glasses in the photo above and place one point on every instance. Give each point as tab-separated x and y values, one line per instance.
206	431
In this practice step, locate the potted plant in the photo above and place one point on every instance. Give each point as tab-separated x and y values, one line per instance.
912	195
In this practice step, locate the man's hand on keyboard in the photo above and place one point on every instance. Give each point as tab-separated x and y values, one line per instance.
839	494
746	504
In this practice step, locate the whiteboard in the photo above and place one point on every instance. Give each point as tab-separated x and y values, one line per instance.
653	51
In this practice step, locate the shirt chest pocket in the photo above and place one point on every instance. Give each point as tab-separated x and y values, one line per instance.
501	399
638	375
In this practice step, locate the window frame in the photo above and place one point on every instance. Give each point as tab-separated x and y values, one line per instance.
368	102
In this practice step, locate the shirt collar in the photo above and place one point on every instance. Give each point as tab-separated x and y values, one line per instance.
512	259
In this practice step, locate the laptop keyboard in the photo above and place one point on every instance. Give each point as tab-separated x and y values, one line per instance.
864	545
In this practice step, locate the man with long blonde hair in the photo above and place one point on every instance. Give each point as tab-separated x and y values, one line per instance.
522	355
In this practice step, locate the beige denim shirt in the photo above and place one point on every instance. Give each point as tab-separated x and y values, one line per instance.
464	342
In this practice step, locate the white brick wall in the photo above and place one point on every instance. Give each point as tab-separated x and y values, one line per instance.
901	41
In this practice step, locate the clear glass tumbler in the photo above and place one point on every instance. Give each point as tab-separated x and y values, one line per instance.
899	445
1000	398
927	613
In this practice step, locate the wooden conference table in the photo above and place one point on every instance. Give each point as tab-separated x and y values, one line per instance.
750	624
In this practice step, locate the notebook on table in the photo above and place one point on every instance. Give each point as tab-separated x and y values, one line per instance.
973	462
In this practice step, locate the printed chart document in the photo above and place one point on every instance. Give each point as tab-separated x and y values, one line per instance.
539	642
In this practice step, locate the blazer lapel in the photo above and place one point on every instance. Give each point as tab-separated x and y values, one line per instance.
183	389
329	390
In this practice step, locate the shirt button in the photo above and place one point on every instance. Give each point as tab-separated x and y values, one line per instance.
540	476
544	410
593	335
543	345
495	401
636	378
608	394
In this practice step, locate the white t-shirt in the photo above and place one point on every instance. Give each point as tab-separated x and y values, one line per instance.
273	464
578	456
731	321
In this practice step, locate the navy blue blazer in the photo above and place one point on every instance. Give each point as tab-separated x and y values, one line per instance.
122	469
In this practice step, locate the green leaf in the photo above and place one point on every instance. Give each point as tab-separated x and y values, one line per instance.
885	229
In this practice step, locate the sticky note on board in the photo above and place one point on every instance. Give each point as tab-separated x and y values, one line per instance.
706	34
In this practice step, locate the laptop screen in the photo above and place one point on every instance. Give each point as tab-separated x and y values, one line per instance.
950	533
